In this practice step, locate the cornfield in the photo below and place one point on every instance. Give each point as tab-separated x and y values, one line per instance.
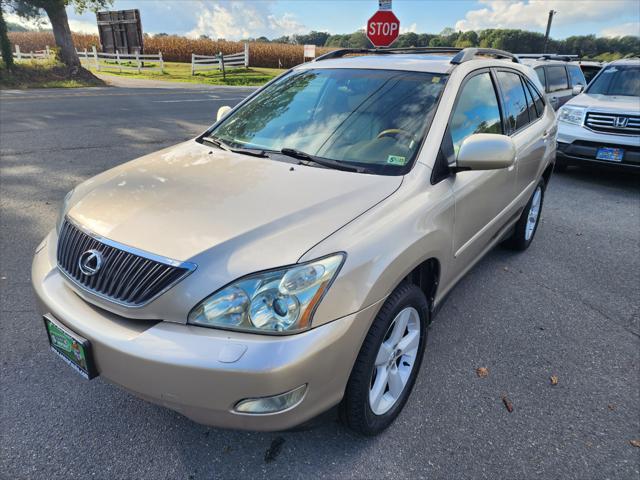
179	49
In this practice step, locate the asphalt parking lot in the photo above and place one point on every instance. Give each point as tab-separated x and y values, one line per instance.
568	307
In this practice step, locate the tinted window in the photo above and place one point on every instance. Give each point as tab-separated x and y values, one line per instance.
576	76
556	79
514	99
531	108
617	80
540	72
537	99
476	111
376	118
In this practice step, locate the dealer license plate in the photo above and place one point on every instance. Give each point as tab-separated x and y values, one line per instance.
71	347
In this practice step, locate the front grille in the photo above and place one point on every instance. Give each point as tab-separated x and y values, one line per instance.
613	123
124	277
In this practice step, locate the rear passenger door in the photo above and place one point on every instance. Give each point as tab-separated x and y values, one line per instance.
558	91
524	108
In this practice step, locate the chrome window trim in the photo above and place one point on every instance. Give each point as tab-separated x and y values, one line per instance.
188	266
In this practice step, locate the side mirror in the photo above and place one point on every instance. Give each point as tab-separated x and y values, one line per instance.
486	151
577	89
222	112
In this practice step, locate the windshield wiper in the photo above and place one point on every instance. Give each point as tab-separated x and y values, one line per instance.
325	162
244	151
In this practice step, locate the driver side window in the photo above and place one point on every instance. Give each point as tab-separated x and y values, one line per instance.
476	110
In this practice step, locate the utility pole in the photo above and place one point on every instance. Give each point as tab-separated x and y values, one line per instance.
546	35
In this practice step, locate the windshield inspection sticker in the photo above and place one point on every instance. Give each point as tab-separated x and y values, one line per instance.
396	160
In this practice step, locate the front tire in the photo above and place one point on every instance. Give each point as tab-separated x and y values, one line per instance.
527	225
388	363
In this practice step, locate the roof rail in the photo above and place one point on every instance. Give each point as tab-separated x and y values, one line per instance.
467	54
460	54
371	51
549	56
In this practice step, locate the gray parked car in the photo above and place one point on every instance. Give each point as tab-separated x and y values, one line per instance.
561	77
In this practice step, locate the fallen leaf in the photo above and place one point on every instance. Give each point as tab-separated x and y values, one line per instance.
635	443
274	449
554	380
611	407
482	372
507	403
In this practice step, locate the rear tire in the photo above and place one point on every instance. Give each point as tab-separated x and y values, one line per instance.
527	224
388	363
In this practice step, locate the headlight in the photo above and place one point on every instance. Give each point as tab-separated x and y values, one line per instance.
63	210
573	115
277	301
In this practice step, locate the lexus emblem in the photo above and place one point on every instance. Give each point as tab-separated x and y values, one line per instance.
90	262
621	122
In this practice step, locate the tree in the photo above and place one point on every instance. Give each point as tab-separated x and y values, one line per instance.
57	13
408	39
5	44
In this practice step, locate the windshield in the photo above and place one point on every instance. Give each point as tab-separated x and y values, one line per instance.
617	80
370	118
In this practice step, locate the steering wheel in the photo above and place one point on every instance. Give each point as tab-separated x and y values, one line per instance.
396	131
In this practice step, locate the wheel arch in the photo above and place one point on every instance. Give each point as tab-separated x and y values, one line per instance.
546	174
426	276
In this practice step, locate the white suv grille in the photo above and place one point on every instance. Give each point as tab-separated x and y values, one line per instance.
613	123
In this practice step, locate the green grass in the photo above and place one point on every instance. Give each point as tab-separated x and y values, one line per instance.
181	72
45	74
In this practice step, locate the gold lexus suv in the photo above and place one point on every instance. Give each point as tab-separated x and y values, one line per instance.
290	258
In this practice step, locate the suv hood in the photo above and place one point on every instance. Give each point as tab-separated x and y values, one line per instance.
191	200
609	103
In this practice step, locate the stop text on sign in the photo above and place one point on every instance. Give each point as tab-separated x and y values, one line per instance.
383	28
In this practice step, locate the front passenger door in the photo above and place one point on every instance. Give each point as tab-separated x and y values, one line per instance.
480	196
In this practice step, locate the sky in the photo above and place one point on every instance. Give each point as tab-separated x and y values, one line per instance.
236	19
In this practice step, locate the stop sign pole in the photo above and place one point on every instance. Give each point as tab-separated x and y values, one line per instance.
383	28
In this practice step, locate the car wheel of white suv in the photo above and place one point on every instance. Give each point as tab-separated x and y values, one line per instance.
527	225
388	362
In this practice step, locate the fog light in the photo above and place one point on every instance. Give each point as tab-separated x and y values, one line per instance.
273	404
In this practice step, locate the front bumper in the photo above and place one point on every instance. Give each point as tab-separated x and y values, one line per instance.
579	145
200	372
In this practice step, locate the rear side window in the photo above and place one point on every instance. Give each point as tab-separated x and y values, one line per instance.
514	99
476	110
576	76
540	72
537	99
556	79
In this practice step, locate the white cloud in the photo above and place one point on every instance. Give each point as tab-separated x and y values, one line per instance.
234	19
413	28
79	26
532	14
631	28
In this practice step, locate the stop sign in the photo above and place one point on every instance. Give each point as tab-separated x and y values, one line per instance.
383	28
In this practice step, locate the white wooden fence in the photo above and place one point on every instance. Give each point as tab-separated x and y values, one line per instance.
37	55
122	61
220	61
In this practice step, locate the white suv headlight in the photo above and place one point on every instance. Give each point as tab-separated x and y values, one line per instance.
276	301
573	115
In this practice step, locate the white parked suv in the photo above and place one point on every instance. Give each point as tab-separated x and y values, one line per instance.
602	125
